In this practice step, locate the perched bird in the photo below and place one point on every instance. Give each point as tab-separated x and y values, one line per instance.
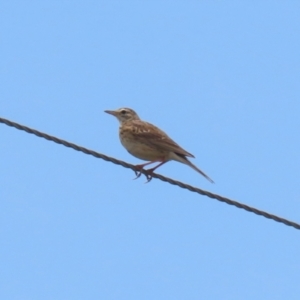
147	142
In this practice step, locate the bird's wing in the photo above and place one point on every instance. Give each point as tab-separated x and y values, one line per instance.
153	136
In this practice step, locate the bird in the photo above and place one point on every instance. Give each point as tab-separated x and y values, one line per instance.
147	142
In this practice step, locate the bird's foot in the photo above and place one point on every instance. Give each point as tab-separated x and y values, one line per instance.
138	173
149	174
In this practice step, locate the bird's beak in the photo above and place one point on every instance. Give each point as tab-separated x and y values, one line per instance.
111	112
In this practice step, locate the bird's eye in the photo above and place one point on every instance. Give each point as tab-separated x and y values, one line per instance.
123	112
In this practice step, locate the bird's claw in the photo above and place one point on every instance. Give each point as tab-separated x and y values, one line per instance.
149	177
139	173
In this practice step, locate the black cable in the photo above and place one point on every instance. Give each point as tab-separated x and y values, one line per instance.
155	175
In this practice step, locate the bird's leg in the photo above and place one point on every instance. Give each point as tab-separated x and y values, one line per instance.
150	171
138	172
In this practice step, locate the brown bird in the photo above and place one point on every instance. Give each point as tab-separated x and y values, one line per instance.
147	142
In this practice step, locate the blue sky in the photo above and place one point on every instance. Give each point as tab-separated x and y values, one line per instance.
221	78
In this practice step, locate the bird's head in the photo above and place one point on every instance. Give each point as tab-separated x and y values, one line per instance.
124	114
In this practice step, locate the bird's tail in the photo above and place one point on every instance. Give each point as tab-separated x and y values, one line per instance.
184	160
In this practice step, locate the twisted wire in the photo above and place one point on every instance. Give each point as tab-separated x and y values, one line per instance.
155	175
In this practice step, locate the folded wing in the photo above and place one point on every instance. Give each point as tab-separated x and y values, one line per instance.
153	136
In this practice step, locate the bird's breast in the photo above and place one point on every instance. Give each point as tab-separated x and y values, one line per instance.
138	148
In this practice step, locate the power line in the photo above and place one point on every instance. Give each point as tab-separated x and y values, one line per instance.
155	175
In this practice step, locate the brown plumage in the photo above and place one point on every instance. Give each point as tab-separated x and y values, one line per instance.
147	142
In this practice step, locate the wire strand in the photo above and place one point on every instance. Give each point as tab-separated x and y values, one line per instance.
155	175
